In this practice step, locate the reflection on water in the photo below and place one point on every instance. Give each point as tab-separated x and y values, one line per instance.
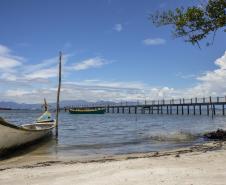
88	135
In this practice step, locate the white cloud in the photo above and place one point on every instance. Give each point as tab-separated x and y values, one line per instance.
8	63
186	76
30	83
8	76
16	93
7	60
212	82
43	73
89	63
42	65
154	41
94	90
4	50
118	27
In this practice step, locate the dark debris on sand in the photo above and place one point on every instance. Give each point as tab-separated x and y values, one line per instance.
220	134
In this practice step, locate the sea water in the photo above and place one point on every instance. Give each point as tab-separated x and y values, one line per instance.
111	134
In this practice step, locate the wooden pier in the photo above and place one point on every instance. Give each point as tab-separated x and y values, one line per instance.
195	106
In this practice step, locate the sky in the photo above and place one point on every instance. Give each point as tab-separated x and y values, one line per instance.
111	52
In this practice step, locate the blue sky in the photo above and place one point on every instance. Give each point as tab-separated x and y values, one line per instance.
111	52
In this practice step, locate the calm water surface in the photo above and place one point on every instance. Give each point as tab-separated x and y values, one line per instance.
109	134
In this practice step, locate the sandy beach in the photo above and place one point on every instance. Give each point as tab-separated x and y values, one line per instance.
188	166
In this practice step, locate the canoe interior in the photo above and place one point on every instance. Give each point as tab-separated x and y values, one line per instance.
39	126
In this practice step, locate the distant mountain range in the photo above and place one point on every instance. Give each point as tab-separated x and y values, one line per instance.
14	105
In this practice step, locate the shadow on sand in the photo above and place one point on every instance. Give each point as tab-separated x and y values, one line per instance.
46	143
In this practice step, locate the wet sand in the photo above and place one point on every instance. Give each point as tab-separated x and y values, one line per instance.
203	164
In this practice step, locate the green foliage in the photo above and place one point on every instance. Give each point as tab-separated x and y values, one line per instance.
194	23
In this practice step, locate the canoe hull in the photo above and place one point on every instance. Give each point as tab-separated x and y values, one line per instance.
102	111
12	136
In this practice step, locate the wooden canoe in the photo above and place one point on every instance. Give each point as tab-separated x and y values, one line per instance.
12	136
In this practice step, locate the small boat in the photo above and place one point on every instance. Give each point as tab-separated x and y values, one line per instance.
87	111
13	136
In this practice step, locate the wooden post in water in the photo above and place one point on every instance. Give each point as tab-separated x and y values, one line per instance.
208	110
214	110
58	94
223	109
142	110
211	106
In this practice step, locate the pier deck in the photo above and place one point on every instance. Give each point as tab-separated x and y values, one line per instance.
195	106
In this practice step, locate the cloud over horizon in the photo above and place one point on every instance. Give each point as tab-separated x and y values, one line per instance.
30	83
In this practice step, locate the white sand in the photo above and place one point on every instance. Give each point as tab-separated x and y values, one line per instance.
206	168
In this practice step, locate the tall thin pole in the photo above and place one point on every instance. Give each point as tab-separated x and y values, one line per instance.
58	93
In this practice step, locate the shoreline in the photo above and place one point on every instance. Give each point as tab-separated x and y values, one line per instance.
203	164
200	164
48	161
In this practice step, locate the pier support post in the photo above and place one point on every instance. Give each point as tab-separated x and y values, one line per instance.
208	110
135	109
214	110
177	110
167	109
223	110
142	110
200	109
194	109
182	110
188	109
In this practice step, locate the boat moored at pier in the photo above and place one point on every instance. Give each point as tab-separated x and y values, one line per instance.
87	111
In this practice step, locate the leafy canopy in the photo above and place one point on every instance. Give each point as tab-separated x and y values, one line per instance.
194	23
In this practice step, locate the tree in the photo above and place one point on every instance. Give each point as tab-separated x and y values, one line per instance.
194	23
